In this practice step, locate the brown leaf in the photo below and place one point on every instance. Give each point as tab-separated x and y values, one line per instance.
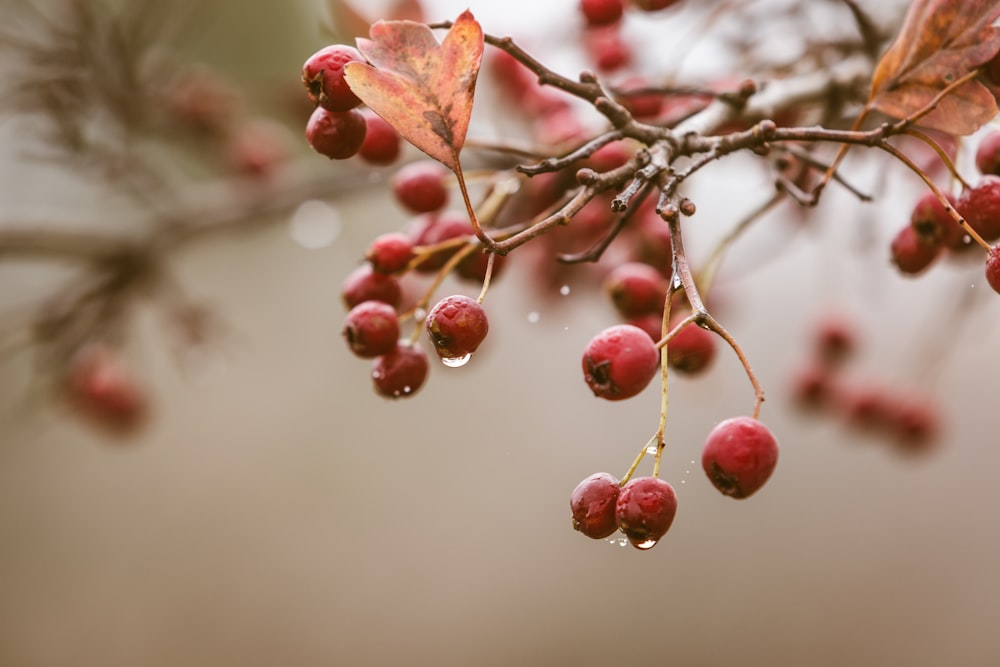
422	88
940	42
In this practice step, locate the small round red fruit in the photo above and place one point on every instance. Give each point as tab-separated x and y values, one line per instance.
645	510
602	12
457	326
323	77
390	252
739	456
336	134
420	186
382	145
980	206
988	154
401	372
371	329
619	362
636	289
692	350
365	284
993	268
910	254
593	503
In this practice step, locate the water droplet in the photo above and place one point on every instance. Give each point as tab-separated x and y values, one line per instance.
645	544
314	224
564	290
455	362
678	283
407	389
533	317
419	314
651	449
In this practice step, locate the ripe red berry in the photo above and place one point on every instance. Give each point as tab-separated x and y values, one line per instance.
336	134
371	329
102	387
457	326
739	456
420	186
602	12
914	423
692	350
593	503
433	229
933	224
645	510
980	206
640	103
382	144
835	340
993	268
607	48
636	289
619	362
911	255
812	387
390	252
401	372
364	284
988	154
323	77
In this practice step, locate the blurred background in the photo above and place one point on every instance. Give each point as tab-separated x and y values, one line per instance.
272	510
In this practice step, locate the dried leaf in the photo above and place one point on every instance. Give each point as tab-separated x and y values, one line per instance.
940	42
422	88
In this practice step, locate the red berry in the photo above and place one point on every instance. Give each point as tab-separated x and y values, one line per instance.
364	284
420	186
258	147
867	407
323	77
651	323
988	154
636	289
933	224
433	229
401	372
619	362
641	104
812	387
390	252
911	255
607	48
593	504
645	510
739	456
602	12
457	325
980	206
336	134
101	386
371	329
382	144
652	5
915	424
692	350
835	340
993	268
473	268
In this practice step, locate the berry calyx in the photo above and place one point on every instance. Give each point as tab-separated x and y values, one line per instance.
739	456
336	134
993	268
933	224
419	187
593	503
645	510
692	350
457	326
371	329
401	372
619	362
323	77
364	284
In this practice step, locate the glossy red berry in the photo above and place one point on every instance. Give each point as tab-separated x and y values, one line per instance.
911	255
457	326
645	510
739	456
602	12
420	186
323	77
382	144
593	504
993	268
336	134
619	362
371	329
988	154
364	284
980	206
390	252
692	350
636	289
401	372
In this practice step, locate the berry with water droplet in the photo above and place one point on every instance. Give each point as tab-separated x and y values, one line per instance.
593	504
371	329
692	350
619	362
457	326
401	372
365	284
336	134
645	510
323	77
419	187
739	456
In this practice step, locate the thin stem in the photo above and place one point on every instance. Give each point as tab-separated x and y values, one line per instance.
491	258
715	258
945	158
635	463
758	390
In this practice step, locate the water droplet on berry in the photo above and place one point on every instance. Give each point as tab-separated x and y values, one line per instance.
619	540
456	362
645	544
314	224
564	290
533	317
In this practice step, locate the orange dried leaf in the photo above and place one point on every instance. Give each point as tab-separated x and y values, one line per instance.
422	88
940	42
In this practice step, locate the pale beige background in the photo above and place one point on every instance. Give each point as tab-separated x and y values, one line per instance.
276	512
